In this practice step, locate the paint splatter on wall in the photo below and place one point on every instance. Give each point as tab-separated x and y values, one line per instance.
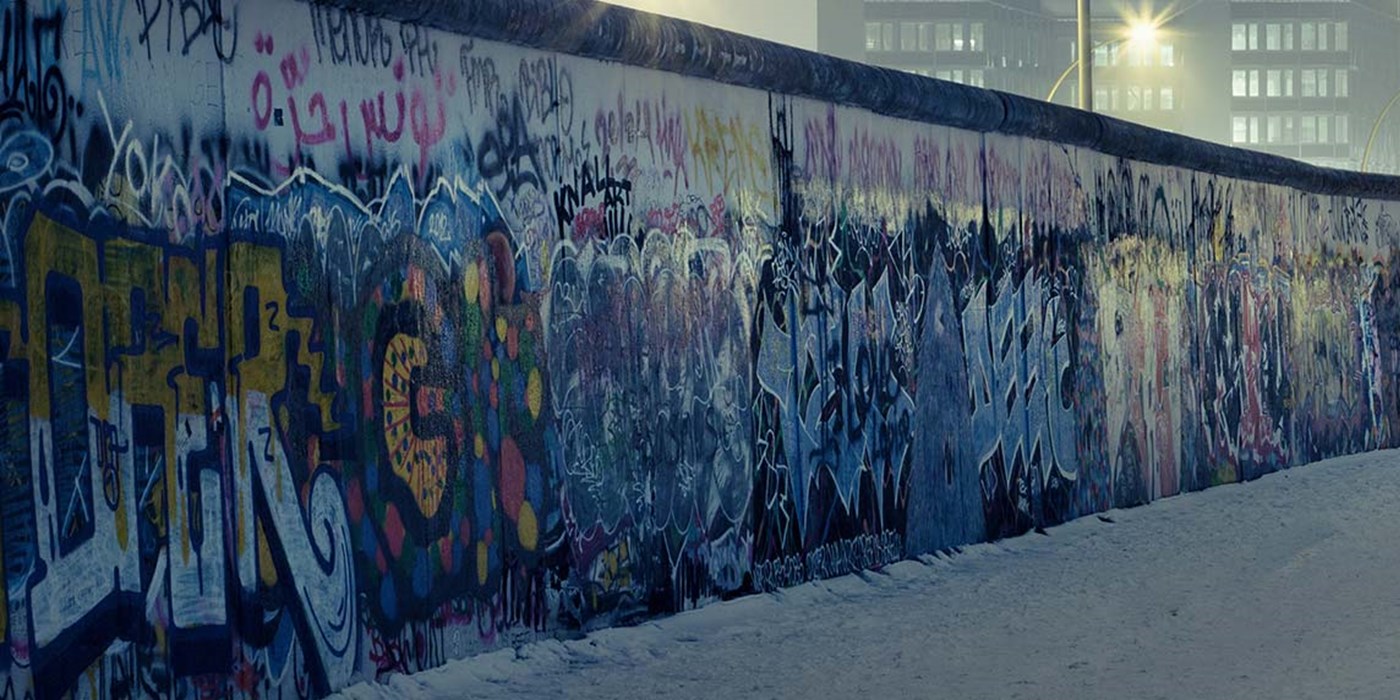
332	346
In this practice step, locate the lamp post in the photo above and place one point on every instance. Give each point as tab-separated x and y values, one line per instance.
1143	33
1375	128
1086	73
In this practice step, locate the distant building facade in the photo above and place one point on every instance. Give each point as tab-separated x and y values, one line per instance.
1308	80
1305	80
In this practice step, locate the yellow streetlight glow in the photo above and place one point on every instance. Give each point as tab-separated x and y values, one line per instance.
1142	33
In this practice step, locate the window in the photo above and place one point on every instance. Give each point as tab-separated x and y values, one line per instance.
1239	83
1100	55
1239	128
1309	36
943	75
1341	43
1273	132
1287	82
942	37
1165	99
1253	37
887	34
908	36
1288	129
1341	84
1273	83
1113	99
1134	54
1134	98
1323	29
1307	129
1147	99
1322	82
1254	83
1288	37
958	44
1342	129
958	76
926	36
975	78
1309	82
1254	129
1238	37
975	37
1168	55
1273	37
1323	122
1100	98
872	36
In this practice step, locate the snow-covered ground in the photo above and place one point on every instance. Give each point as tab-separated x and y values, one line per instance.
1286	587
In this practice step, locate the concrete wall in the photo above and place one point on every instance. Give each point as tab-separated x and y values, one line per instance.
334	345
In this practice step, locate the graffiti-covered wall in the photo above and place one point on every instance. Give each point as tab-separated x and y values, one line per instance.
333	345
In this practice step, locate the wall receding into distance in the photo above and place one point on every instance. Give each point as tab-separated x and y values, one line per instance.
333	345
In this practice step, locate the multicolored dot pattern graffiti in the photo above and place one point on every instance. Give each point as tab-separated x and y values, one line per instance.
332	346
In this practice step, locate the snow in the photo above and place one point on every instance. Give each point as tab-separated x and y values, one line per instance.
1283	587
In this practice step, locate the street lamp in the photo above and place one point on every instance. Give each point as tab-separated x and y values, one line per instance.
1139	33
1375	128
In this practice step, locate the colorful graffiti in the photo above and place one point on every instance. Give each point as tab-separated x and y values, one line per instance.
323	357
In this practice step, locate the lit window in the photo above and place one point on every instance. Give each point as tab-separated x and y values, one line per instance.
872	36
926	36
1238	37
1254	83
958	37
976	38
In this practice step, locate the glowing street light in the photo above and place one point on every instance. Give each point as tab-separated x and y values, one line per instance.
1142	34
